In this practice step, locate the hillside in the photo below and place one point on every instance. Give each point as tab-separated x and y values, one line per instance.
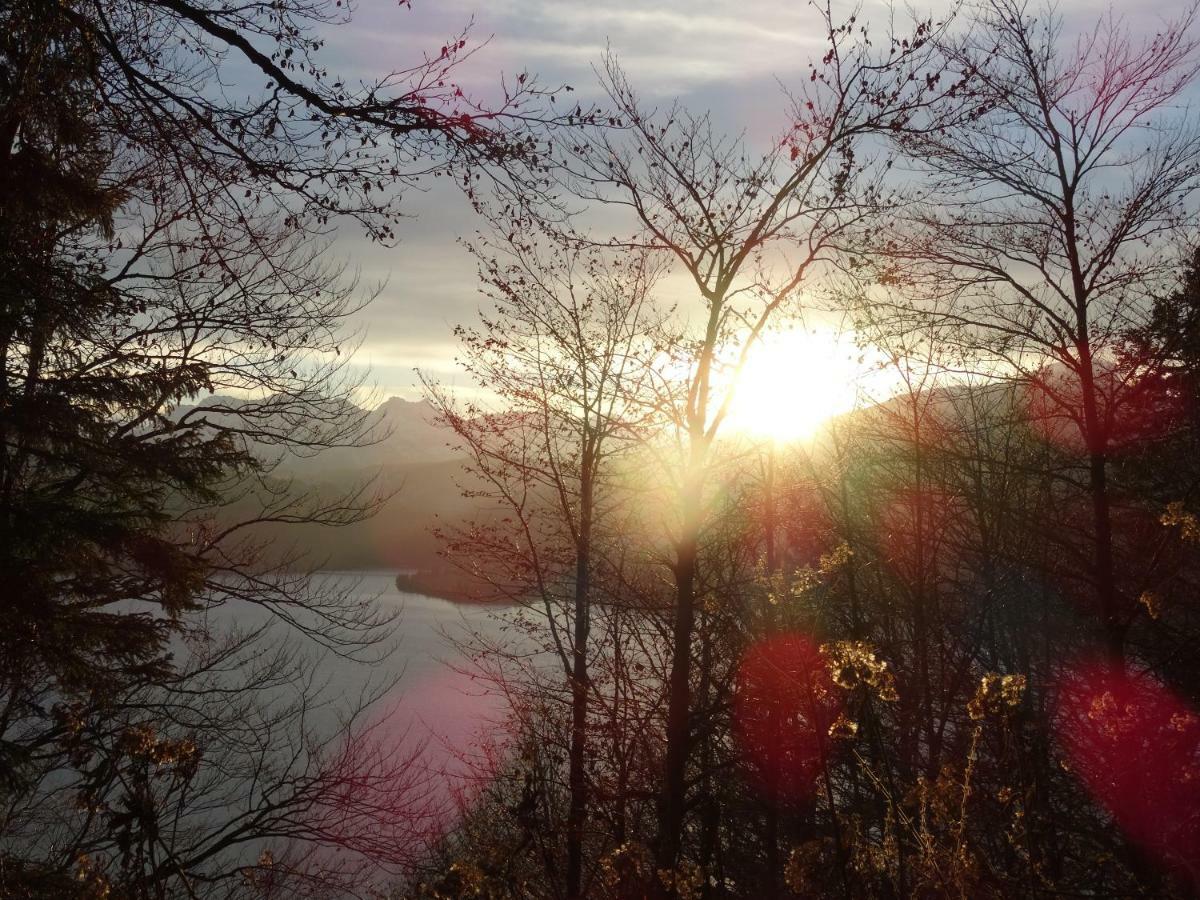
410	461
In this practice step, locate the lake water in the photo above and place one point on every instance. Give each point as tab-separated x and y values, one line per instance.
439	707
437	700
437	710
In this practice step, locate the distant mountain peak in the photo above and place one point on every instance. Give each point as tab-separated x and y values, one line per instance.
396	403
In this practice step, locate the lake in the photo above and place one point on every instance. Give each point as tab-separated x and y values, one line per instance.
437	700
437	707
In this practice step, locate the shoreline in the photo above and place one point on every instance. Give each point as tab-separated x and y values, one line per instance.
452	586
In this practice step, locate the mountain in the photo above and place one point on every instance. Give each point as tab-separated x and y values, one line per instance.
409	458
402	433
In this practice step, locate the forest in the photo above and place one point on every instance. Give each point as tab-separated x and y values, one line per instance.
832	496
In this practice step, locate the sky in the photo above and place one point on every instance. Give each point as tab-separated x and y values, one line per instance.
726	58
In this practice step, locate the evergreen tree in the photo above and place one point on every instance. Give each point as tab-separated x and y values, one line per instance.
161	252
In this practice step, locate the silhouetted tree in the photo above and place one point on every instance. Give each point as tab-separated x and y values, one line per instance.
564	352
1052	260
169	331
747	231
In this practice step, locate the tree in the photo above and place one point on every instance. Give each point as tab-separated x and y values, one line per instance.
748	232
162	242
1028	250
563	350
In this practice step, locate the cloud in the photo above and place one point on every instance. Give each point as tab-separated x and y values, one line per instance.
677	47
713	55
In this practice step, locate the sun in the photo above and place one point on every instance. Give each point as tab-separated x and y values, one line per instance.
795	381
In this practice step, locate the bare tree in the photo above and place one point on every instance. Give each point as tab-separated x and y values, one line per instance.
747	230
169	330
239	769
1062	187
563	352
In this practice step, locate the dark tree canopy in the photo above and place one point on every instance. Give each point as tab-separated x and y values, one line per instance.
170	329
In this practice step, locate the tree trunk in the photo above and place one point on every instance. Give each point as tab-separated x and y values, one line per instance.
577	777
771	824
1102	566
672	796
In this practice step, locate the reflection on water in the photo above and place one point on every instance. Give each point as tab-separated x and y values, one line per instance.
436	701
436	705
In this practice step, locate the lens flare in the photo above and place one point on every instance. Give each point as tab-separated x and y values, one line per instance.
1136	747
786	703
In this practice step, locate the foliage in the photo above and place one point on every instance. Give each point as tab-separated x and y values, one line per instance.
171	331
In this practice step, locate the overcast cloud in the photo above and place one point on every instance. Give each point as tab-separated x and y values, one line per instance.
725	57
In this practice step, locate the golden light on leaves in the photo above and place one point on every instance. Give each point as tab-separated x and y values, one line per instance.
685	881
94	884
809	578
843	728
855	663
143	742
996	694
1175	516
626	865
